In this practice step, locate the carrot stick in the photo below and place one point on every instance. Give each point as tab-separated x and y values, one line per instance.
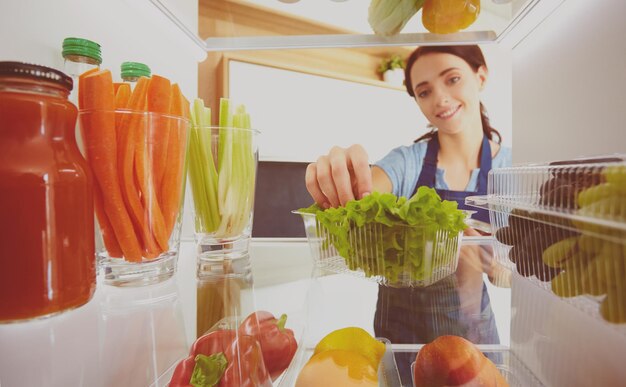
90	71
106	229
172	184
159	100
130	129
158	91
116	86
96	90
138	166
122	95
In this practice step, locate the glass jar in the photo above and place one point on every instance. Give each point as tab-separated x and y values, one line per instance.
47	260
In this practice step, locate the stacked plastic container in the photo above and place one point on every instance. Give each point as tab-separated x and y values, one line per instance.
563	226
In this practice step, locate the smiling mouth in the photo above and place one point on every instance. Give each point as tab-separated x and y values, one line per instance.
449	113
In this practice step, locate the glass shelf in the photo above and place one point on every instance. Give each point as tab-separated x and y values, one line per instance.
228	25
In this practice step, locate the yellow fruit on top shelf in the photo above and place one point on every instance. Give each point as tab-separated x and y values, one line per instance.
449	16
338	367
353	339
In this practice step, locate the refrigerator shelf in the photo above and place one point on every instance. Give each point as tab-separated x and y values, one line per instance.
346	25
563	225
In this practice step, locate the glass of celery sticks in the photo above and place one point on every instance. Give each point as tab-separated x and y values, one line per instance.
222	164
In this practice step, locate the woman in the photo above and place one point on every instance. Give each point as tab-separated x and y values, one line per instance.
454	158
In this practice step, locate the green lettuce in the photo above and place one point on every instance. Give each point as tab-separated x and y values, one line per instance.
394	237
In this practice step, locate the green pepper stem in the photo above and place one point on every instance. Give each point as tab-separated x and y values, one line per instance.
281	322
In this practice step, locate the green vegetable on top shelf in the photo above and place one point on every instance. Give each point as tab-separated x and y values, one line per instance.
396	231
388	17
222	169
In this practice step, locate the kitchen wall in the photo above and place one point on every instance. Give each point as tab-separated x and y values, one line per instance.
302	115
569	85
127	30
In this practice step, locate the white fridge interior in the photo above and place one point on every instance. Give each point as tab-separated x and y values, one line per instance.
567	91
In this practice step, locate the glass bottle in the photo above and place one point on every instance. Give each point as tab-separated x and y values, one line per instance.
79	55
47	257
131	71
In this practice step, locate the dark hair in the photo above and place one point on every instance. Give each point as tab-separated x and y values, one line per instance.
471	54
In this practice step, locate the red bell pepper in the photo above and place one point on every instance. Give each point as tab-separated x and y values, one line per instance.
278	343
245	368
244	362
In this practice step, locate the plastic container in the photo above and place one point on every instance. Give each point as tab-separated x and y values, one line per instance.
563	225
419	258
47	262
235	338
512	369
138	192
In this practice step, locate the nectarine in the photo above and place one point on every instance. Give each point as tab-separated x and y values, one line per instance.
454	361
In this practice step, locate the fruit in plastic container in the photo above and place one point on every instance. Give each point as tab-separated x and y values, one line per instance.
338	367
454	361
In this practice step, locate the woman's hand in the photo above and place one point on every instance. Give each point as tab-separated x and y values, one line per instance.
342	175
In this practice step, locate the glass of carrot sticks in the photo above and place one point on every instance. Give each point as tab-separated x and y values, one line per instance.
135	141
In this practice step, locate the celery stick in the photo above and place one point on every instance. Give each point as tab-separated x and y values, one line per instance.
224	153
201	171
209	173
245	164
197	185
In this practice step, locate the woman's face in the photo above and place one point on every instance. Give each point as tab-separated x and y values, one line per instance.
447	91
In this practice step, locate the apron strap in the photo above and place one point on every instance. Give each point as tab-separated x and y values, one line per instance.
429	167
485	166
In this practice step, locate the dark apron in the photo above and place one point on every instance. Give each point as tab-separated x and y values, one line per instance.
419	315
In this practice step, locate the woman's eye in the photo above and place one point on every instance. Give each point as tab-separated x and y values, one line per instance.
454	79
423	94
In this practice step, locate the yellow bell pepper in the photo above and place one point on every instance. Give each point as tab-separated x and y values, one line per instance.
449	16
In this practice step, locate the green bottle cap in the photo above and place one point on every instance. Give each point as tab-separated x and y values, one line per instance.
82	47
134	70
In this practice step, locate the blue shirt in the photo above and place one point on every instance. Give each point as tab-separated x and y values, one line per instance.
404	164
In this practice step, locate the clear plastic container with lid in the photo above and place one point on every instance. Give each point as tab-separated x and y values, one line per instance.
563	226
47	240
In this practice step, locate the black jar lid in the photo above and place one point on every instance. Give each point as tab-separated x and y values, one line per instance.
36	72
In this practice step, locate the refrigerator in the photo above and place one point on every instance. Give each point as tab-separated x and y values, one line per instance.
560	89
